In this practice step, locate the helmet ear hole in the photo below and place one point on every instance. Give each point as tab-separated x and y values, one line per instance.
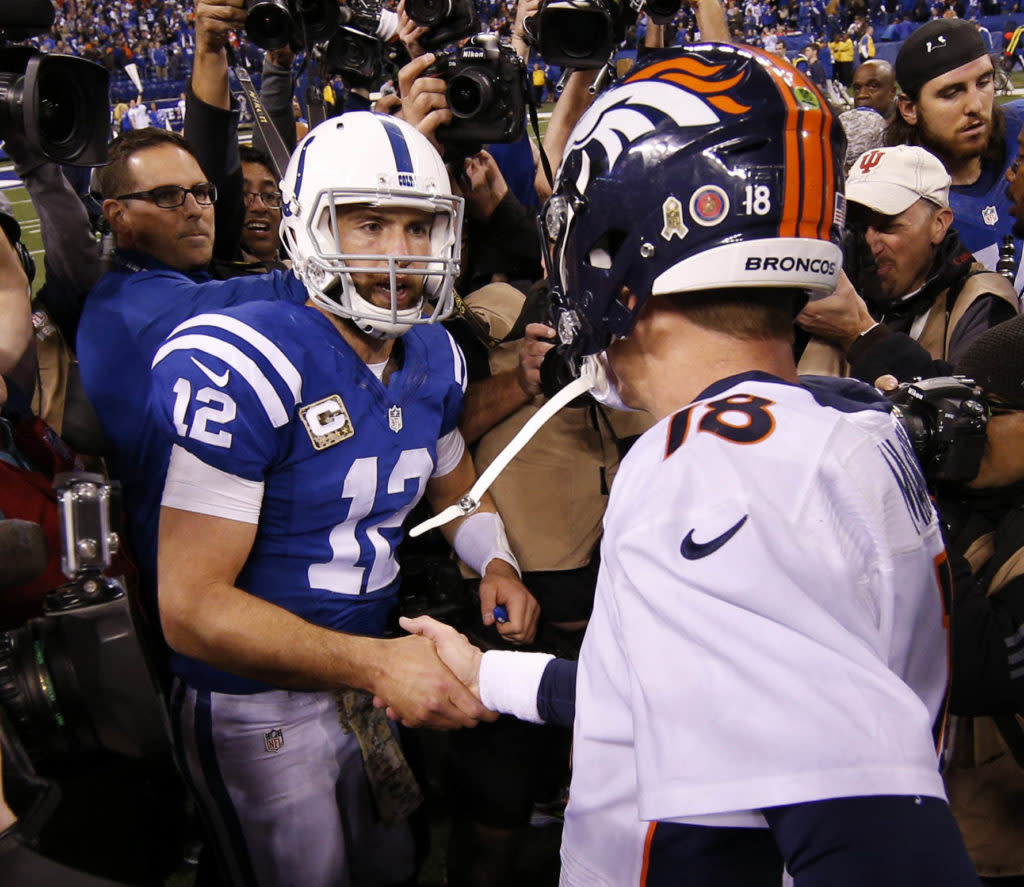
602	253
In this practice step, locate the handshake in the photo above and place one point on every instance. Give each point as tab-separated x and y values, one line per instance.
431	678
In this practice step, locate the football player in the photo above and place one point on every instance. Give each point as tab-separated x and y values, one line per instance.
766	660
303	435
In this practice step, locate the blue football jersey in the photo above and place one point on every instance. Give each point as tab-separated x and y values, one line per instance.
271	392
981	212
125	318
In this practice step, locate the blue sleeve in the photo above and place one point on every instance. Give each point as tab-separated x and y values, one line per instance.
556	695
220	401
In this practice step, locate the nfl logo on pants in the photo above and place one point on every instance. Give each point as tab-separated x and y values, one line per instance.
273	740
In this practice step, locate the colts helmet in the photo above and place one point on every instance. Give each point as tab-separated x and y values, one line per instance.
362	158
711	167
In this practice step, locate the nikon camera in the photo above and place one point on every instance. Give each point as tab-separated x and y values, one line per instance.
76	679
946	420
486	92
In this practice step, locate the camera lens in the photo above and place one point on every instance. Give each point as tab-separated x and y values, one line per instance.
59	102
428	13
268	23
469	92
32	690
586	34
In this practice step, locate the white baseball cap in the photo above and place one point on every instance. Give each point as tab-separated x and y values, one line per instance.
890	180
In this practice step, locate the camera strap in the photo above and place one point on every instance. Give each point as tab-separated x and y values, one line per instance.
534	122
261	120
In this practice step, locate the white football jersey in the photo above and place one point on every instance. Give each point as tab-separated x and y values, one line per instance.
768	627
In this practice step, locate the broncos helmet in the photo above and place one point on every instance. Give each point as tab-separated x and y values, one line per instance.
710	167
377	160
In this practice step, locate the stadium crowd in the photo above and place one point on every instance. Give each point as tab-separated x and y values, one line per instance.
762	572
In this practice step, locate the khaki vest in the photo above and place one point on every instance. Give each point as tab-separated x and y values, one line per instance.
821	358
552	496
984	781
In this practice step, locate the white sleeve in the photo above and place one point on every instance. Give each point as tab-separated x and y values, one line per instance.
449	452
192	485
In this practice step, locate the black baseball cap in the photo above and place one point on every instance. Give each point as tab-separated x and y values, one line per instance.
937	47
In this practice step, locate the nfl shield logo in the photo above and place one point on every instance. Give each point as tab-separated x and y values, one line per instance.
990	215
395	419
273	740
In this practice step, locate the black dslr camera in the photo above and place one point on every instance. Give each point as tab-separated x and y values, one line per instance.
77	679
945	419
449	20
59	104
584	33
486	92
274	24
355	52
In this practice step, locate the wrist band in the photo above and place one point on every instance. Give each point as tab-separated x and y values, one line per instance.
480	539
509	682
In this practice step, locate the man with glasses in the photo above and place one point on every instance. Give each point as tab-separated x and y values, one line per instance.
260	241
160	208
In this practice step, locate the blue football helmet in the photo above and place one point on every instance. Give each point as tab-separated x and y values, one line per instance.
711	167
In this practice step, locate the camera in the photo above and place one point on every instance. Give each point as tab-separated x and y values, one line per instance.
449	20
59	104
77	679
946	420
486	92
583	33
355	52
273	24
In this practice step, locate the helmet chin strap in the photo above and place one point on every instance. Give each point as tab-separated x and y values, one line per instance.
470	502
376	321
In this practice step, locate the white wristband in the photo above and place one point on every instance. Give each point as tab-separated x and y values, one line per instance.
480	539
509	682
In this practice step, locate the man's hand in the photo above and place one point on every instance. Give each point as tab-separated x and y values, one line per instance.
531	356
500	584
281	58
424	99
419	690
487	186
454	648
524	9
409	32
839	318
215	20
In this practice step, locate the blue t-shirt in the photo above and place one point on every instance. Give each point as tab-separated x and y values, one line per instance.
272	392
126	317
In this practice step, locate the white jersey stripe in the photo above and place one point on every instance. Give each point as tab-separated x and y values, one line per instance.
242	364
268	349
459	361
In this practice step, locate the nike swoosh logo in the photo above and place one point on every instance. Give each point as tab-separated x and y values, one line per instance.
219	381
694	551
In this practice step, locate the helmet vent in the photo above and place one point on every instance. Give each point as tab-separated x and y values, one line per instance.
602	254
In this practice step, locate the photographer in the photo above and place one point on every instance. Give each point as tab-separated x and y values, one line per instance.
914	298
983	520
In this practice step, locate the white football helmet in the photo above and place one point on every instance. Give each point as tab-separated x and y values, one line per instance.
380	161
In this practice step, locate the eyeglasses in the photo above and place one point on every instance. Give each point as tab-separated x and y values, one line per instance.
997	408
173	196
270	199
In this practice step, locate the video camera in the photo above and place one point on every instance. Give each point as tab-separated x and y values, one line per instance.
583	33
449	20
355	51
77	679
486	92
59	104
274	24
946	421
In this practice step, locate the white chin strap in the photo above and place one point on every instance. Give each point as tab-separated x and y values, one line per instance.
471	501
